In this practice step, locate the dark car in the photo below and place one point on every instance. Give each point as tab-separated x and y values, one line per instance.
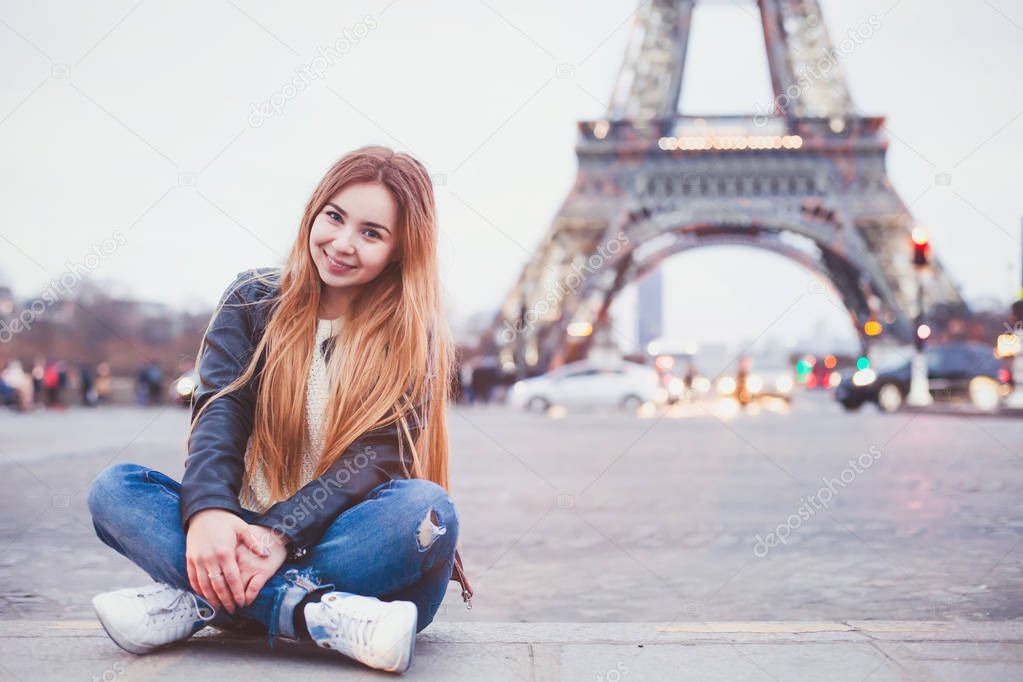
955	371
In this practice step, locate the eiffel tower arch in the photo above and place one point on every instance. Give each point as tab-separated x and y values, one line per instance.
805	179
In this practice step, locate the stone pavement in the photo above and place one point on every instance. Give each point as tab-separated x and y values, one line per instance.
613	517
858	651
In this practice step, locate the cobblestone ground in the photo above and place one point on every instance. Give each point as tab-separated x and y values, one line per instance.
618	517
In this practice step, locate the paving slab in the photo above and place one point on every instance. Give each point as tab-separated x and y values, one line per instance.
871	651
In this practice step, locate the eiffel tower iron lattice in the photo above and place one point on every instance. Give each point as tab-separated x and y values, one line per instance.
805	179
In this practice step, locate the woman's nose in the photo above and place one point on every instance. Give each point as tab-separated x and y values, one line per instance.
343	241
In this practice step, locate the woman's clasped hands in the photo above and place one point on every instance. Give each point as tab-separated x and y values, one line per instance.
230	560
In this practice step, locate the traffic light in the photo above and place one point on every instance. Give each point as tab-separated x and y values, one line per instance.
804	367
921	247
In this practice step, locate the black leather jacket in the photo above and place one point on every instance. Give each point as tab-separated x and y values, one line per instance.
216	449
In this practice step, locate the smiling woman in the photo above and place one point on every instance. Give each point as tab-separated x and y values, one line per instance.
317	454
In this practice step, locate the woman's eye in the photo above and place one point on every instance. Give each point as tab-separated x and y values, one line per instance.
371	233
334	215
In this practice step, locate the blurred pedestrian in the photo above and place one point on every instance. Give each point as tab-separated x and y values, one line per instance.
141	389
38	370
154	383
465	378
52	385
20	383
484	378
7	392
687	381
86	384
103	387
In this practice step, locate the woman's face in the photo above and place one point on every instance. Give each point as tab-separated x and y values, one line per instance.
355	236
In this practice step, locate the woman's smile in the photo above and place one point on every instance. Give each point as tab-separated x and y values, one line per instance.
337	266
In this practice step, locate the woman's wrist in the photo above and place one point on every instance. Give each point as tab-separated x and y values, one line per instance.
275	536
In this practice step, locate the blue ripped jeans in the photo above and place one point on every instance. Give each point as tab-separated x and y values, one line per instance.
398	543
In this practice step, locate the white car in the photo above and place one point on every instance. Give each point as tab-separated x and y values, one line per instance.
770	381
588	384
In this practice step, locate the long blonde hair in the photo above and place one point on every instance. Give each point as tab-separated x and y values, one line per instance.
391	358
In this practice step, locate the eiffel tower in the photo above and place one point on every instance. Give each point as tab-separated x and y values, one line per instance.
804	178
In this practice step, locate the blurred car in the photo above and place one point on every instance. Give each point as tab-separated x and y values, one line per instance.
755	381
770	382
822	378
588	384
693	387
182	388
955	371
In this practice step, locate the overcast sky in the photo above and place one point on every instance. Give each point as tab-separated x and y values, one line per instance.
133	121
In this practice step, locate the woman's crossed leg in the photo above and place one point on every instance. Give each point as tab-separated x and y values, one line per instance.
397	544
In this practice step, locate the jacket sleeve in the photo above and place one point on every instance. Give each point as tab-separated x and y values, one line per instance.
216	448
370	460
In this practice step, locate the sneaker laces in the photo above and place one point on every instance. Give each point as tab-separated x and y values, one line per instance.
181	605
355	623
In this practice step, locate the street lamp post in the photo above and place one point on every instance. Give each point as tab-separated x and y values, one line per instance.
919	385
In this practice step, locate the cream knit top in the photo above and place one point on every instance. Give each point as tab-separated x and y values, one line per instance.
256	496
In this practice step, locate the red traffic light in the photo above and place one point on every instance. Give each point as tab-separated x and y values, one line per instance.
921	247
920	254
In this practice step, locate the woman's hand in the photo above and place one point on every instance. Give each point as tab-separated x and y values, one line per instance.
210	556
255	570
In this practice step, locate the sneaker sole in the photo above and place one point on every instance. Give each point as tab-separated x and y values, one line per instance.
414	617
126	644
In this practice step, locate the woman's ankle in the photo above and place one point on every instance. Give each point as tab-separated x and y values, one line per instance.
301	631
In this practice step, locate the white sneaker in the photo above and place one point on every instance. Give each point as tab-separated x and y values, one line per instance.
379	634
144	618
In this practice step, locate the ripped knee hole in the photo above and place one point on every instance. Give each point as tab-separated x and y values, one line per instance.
429	530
